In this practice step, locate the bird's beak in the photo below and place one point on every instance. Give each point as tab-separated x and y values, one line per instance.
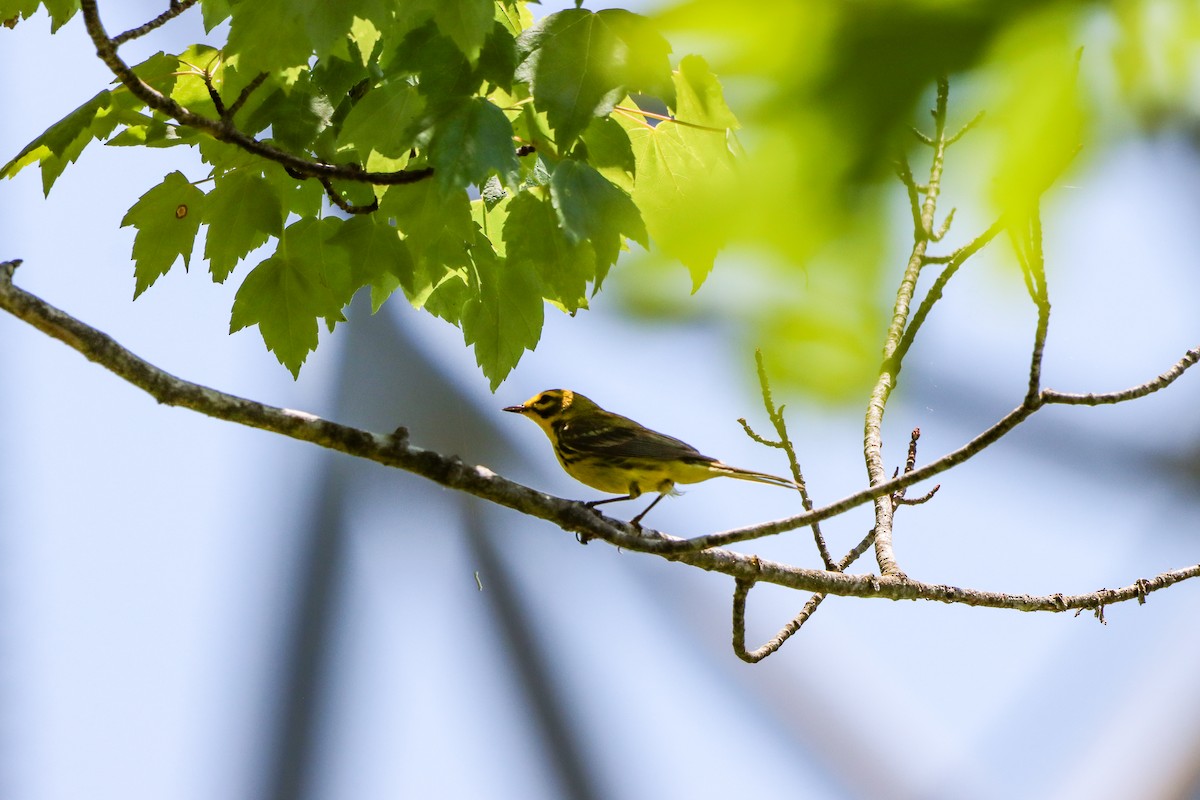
516	409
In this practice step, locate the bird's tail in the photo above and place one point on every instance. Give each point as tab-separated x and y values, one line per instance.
750	475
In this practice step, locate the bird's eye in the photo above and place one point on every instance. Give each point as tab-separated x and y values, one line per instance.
546	404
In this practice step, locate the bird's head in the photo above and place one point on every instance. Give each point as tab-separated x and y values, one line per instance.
553	404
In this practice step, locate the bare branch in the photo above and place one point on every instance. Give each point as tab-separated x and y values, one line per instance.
395	451
982	441
953	262
740	590
176	8
904	173
1050	396
785	443
890	368
975	120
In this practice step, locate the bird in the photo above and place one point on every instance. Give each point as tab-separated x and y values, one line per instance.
614	454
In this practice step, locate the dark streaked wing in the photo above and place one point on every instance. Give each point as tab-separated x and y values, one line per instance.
613	436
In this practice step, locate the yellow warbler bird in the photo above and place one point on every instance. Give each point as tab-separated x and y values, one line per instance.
615	454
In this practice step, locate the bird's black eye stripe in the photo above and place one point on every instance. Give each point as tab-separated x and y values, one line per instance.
546	406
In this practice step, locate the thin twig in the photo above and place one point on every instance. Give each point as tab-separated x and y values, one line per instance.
664	118
954	261
244	95
785	443
975	120
904	173
741	591
982	441
1052	397
176	8
344	204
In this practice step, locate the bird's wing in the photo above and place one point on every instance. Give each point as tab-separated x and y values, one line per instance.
614	436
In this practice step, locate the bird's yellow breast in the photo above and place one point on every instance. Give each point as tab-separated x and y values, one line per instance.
634	476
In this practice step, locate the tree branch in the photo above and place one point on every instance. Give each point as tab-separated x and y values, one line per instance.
223	129
784	443
394	450
892	355
176	8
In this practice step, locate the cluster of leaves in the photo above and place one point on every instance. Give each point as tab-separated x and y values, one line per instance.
532	164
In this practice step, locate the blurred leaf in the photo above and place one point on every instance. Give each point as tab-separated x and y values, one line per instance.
682	175
1038	111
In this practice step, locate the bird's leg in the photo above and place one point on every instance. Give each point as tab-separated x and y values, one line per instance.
637	521
594	503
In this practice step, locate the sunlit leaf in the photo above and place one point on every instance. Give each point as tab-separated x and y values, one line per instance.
166	219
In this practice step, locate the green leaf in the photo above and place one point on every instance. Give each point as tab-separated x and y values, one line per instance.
328	23
64	141
166	218
504	319
377	256
337	78
296	116
498	59
443	72
286	294
11	11
466	22
513	15
437	227
578	64
366	36
701	100
490	212
472	141
214	12
268	36
449	298
609	151
682	174
242	212
591	207
304	198
535	243
60	12
382	121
